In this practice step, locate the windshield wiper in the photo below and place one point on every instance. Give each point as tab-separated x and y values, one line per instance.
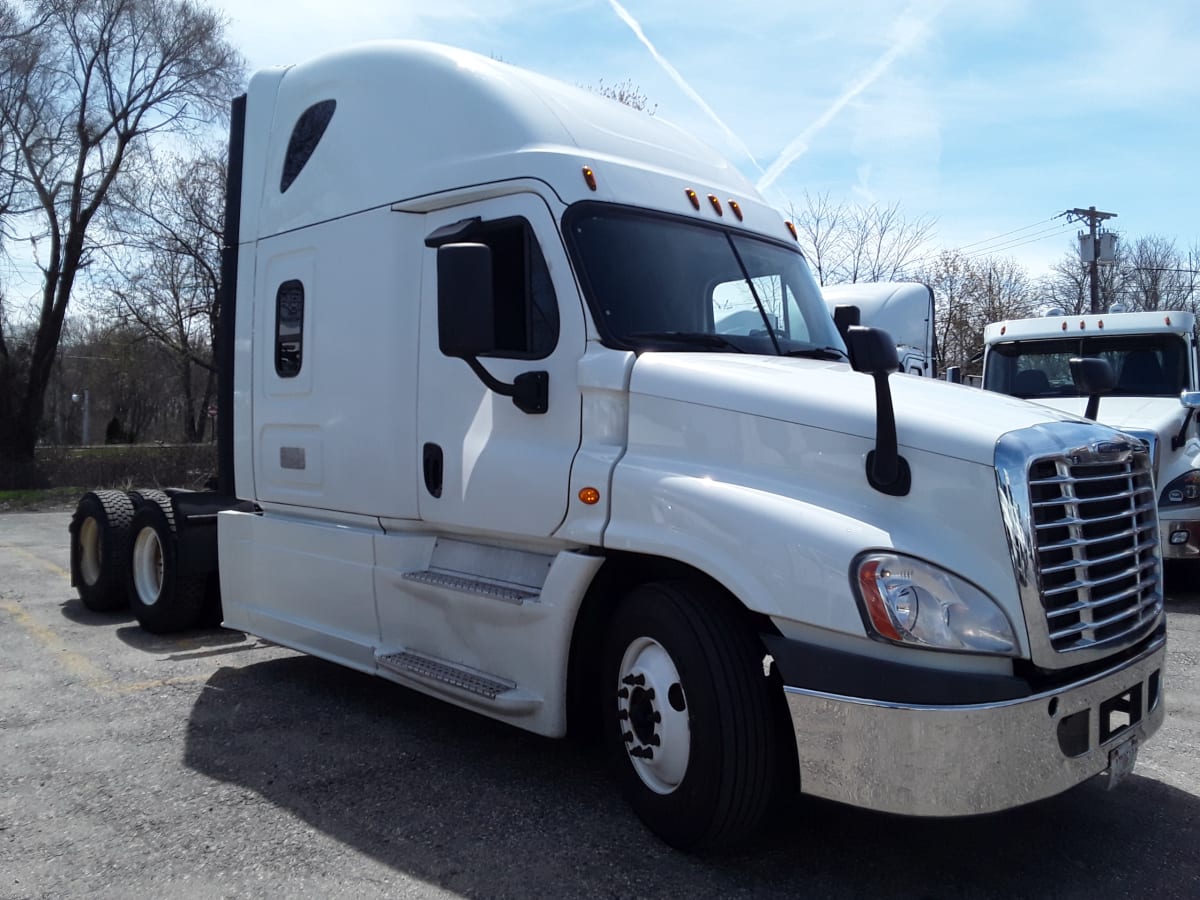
830	353
689	338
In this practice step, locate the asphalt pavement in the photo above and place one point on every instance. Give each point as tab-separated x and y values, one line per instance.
214	764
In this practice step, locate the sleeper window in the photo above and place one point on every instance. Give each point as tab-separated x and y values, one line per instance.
307	133
289	329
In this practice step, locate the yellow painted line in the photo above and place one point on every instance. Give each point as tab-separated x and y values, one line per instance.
75	663
44	563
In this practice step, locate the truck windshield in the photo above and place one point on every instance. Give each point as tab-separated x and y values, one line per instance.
655	282
1145	365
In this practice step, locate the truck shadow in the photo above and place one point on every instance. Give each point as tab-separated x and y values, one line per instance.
485	810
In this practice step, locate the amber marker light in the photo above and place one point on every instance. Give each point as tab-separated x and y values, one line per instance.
590	177
1003	329
589	495
876	605
1166	320
1082	324
737	209
694	197
716	204
792	229
1064	326
1100	324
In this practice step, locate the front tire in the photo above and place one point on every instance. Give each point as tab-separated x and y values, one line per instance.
162	600
100	531
688	716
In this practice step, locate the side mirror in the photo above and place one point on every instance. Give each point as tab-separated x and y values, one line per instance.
1092	376
872	351
1190	399
466	307
467	323
844	316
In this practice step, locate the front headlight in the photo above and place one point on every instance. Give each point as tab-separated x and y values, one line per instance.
914	603
1182	491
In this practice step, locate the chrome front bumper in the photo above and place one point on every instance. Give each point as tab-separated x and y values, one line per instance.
964	760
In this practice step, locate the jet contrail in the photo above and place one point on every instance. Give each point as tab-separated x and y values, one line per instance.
911	30
629	20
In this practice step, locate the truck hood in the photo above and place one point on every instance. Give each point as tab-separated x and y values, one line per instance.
1162	415
949	419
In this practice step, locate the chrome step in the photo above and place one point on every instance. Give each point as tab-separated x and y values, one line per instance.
462	584
446	673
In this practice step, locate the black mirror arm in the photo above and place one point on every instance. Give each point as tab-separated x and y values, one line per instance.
887	470
1180	439
530	391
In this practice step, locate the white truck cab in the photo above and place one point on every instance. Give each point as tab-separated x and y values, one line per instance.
904	309
534	406
1153	356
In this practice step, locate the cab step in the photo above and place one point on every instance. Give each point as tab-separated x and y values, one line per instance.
466	585
459	682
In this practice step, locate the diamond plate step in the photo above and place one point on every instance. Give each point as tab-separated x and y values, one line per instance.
462	584
427	668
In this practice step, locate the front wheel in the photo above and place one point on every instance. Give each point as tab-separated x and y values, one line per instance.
162	600
688	717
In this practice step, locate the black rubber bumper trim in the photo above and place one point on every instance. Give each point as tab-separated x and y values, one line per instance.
816	668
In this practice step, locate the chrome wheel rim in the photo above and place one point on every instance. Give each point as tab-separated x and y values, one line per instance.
148	566
653	716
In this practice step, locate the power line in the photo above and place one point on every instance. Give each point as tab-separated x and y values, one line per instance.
1012	245
997	237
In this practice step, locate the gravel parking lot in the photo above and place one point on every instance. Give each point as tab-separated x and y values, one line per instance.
217	765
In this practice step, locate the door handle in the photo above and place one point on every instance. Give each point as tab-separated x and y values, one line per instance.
432	464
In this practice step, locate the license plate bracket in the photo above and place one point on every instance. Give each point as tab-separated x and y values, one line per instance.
1121	760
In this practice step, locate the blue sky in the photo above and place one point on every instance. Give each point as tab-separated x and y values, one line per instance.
990	116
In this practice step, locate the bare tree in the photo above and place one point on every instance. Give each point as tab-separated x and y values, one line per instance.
164	277
1066	285
820	224
82	89
847	243
1154	276
949	275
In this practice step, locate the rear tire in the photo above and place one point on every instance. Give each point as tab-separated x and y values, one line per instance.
100	530
688	716
162	600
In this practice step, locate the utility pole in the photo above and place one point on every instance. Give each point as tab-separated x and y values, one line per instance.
1094	218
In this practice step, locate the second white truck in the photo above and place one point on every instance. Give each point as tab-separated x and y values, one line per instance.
1153	357
531	403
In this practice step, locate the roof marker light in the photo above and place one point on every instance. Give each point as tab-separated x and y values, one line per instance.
1003	328
1082	324
792	228
590	177
691	195
589	495
1064	326
737	210
1100	324
716	204
1166	320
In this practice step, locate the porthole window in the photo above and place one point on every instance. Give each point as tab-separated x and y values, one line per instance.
310	127
289	329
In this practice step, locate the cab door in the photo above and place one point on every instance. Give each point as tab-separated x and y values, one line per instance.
486	464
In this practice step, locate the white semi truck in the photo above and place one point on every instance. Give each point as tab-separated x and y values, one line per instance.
904	309
482	434
1153	358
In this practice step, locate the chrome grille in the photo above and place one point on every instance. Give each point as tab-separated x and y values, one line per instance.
1095	548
